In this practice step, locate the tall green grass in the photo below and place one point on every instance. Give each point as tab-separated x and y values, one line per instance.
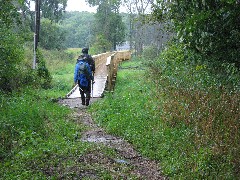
203	95
61	65
36	135
180	113
40	139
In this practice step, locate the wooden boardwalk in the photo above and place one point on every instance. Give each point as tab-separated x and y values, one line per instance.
100	78
106	71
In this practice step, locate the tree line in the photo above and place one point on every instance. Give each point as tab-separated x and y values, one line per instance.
210	29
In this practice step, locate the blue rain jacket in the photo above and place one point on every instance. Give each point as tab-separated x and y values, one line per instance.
78	77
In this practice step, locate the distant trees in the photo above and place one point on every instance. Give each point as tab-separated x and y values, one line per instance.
137	34
60	29
52	10
52	36
78	28
108	26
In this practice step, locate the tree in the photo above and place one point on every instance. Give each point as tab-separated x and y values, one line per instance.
78	28
11	51
53	9
211	28
52	36
137	15
109	22
101	43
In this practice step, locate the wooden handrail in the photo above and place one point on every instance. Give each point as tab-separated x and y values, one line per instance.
112	67
112	60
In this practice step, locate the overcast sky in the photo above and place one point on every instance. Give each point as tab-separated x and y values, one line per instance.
79	5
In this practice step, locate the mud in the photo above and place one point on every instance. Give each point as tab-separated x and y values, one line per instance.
142	168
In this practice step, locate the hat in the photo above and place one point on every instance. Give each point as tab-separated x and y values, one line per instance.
84	50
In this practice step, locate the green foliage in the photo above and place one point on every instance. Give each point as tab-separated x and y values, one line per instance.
44	77
54	71
11	55
36	136
54	9
11	51
108	23
61	66
17	119
211	28
78	27
199	97
117	31
51	35
177	112
102	44
150	53
8	14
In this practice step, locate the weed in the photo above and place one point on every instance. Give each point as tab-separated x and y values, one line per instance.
177	113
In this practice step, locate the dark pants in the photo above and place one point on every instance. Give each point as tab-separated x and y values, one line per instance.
83	91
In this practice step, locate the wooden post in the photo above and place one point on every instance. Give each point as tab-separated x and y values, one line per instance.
36	31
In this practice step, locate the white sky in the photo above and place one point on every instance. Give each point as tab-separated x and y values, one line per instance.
79	5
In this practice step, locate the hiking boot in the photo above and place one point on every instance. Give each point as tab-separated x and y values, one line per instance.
87	102
83	101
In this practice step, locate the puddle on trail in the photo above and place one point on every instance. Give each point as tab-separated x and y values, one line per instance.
98	136
101	140
142	168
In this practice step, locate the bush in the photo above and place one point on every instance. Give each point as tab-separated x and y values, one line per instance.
179	113
52	36
44	77
204	97
150	53
11	55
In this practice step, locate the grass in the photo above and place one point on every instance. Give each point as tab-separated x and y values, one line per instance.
191	129
180	114
40	139
61	65
36	134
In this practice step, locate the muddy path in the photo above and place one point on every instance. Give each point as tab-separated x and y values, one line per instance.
129	164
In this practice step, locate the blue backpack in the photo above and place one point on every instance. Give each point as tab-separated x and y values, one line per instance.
83	74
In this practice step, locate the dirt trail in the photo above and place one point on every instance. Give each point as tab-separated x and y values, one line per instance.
131	162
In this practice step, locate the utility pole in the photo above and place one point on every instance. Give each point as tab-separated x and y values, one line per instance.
36	31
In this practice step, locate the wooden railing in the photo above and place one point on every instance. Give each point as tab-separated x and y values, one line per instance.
112	67
112	60
100	58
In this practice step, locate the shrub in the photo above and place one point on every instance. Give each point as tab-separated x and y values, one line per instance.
11	54
206	99
150	53
177	111
44	77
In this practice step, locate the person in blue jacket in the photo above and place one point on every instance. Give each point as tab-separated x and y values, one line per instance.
83	77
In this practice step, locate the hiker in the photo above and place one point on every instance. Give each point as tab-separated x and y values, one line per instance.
89	59
82	77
